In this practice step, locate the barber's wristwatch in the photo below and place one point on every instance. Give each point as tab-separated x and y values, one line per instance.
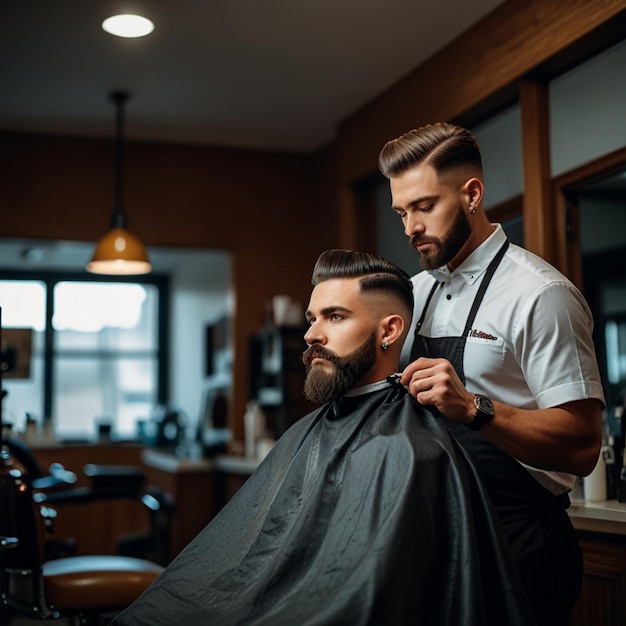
484	412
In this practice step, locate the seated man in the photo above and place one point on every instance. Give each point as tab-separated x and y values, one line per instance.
365	511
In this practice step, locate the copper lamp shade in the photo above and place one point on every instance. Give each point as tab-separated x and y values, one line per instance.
119	252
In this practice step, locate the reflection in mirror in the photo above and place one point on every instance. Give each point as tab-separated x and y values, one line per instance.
602	209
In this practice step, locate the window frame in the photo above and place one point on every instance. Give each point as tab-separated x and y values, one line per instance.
51	278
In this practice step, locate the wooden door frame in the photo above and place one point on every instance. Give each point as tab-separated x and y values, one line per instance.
565	188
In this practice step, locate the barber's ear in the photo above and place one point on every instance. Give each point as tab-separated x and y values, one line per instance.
473	191
392	327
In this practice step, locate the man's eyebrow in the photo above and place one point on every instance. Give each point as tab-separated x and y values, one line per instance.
329	310
415	202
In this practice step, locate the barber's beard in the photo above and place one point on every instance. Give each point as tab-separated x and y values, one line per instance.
448	247
322	386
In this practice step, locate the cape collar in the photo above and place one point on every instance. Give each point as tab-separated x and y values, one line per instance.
351	401
381	384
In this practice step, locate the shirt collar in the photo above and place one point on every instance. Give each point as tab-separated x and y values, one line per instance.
475	265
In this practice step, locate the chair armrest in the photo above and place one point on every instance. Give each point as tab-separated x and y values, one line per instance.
6	543
115	480
58	476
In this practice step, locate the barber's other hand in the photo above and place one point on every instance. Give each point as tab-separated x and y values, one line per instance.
435	382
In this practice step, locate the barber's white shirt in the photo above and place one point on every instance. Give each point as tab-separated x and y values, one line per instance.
530	345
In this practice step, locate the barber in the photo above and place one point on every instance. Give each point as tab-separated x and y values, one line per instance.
503	351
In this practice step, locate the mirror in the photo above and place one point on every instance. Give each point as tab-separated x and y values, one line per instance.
602	227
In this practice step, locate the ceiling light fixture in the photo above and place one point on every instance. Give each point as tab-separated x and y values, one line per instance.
119	252
128	25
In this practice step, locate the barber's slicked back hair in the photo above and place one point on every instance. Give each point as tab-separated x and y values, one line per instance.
376	273
444	146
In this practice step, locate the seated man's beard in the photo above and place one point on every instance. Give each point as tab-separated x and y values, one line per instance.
321	386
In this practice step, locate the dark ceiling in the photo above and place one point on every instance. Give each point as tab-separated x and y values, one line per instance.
277	75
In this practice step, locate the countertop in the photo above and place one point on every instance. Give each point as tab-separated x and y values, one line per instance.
169	462
236	464
606	517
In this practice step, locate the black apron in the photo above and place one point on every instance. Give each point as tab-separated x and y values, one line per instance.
530	514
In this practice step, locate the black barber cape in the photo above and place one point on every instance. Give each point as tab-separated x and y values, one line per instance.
373	516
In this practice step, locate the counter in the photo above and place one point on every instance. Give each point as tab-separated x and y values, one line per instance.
601	531
603	517
190	483
236	464
169	462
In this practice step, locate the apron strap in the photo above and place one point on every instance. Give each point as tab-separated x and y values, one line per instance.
493	266
420	321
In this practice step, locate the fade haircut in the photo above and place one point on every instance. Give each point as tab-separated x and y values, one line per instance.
444	146
376	273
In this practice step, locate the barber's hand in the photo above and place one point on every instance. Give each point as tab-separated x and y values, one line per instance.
435	382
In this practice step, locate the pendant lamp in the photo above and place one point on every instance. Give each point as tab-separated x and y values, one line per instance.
119	252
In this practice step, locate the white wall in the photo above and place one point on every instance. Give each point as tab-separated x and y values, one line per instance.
500	141
588	110
201	294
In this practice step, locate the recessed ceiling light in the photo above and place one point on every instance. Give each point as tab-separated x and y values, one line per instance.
128	25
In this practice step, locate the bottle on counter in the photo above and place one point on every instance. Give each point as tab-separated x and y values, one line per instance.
255	426
31	430
622	480
594	485
612	476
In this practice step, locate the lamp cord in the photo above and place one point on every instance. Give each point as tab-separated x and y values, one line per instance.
119	98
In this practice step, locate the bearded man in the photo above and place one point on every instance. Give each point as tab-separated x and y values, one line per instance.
503	351
365	511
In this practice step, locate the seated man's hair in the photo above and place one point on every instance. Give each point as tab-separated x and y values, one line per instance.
376	273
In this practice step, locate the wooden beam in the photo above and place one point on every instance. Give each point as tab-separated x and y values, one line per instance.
539	218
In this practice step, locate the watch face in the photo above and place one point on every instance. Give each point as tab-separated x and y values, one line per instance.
483	404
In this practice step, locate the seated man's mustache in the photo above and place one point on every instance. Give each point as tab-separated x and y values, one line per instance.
317	351
416	239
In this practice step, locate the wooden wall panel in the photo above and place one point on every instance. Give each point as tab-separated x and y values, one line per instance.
478	70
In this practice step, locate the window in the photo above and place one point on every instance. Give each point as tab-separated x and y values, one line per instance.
97	352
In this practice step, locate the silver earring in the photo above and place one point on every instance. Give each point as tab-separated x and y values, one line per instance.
473	211
385	345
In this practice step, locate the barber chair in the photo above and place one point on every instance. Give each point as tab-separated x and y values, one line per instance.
80	588
106	482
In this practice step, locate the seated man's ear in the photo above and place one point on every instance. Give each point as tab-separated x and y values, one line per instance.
391	328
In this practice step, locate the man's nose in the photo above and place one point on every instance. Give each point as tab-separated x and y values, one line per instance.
413	224
313	335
